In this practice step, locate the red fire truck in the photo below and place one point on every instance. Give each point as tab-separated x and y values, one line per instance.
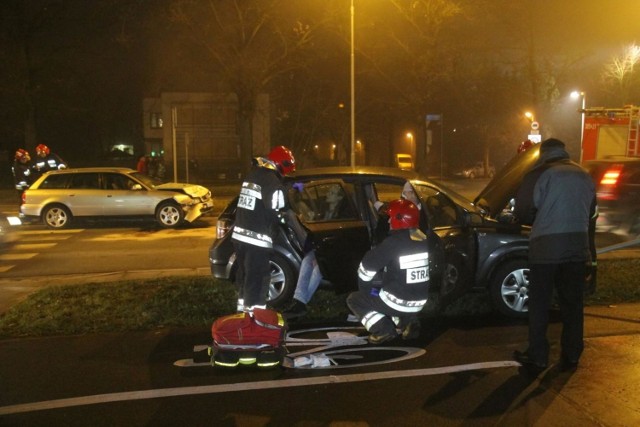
610	132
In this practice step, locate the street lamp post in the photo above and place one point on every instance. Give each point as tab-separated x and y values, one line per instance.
353	91
580	94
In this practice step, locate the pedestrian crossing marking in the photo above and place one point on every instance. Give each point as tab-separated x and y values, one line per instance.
14	257
33	246
5	268
27	232
54	237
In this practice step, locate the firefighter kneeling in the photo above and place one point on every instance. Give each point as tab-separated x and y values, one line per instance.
390	308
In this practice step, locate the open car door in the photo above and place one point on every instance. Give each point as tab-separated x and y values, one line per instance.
340	237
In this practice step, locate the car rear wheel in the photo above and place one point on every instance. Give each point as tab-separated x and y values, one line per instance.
169	215
283	281
510	288
56	216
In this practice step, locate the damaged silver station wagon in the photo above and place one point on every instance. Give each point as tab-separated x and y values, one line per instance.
60	196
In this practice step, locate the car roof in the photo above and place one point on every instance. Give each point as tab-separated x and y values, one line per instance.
93	169
363	171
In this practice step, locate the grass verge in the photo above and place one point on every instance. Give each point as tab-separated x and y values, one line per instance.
197	301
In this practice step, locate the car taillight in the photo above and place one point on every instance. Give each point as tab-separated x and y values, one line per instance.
609	182
222	228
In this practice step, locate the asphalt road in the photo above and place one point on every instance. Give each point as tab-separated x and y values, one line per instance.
465	377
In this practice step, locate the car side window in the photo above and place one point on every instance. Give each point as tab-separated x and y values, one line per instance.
386	192
321	202
84	181
114	181
53	182
441	210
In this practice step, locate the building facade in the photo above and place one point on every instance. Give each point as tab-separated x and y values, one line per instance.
196	135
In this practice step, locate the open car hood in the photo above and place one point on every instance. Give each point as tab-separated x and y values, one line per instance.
502	188
192	190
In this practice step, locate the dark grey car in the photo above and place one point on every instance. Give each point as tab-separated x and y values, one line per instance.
472	250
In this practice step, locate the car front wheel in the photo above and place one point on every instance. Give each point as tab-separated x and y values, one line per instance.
169	215
56	216
510	288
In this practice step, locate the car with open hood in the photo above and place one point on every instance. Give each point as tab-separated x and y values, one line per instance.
471	248
59	197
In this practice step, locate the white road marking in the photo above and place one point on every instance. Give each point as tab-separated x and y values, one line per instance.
14	257
33	246
5	268
47	238
257	385
74	231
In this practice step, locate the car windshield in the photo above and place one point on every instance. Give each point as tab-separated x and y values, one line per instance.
147	180
458	198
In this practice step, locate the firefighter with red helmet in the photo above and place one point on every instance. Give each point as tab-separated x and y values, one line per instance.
21	169
388	306
46	161
260	206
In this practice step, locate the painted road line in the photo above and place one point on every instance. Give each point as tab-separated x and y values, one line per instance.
47	238
14	257
5	268
73	231
32	246
245	386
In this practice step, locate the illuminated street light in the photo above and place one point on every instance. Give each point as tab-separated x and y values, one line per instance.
575	94
529	115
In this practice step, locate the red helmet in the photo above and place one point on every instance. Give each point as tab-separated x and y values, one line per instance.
22	154
42	149
403	214
524	146
283	158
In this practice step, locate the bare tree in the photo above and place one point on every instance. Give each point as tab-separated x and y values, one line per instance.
621	74
248	43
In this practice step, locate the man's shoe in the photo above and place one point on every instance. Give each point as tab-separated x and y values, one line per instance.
379	339
568	365
294	310
412	330
531	366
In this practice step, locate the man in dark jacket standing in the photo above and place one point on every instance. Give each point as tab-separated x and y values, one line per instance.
262	198
557	198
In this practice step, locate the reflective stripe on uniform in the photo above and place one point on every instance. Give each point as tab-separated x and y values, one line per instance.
251	237
414	261
400	304
364	274
277	201
371	318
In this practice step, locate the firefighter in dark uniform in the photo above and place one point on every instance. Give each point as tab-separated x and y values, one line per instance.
46	161
258	216
403	261
21	169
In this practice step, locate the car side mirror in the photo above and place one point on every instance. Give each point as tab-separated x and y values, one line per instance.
136	187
